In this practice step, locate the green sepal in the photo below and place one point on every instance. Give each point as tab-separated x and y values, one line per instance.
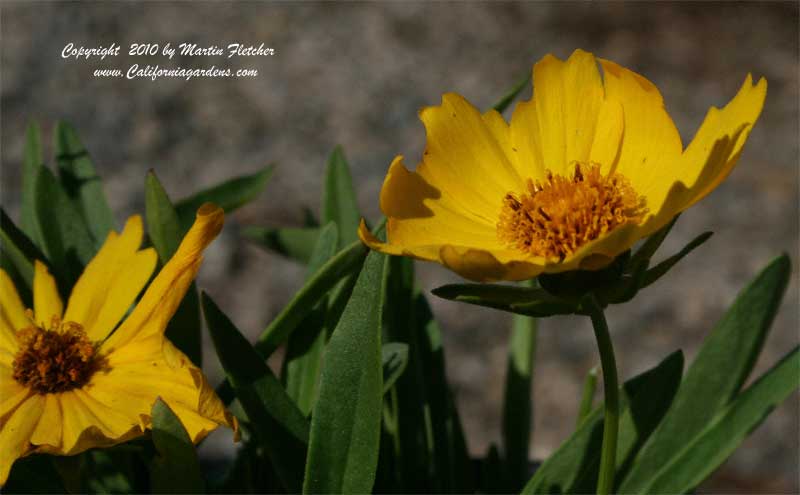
176	468
228	195
512	93
528	301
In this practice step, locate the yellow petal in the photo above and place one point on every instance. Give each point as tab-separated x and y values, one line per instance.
608	136
152	367
16	431
568	96
11	392
463	159
111	281
162	297
651	146
421	214
525	142
705	169
483	266
12	314
87	423
46	301
48	429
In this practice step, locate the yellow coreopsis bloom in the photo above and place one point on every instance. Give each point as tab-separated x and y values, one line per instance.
584	169
70	382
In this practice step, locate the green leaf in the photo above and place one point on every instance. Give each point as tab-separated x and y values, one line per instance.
662	268
18	250
431	454
506	100
573	467
394	358
281	428
346	423
346	261
229	195
184	328
517	405
305	346
81	182
176	469
34	474
289	319
339	198
719	439
294	243
162	220
587	398
66	240
721	367
526	301
32	162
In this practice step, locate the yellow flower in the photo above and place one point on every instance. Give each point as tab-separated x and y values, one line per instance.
68	383
584	169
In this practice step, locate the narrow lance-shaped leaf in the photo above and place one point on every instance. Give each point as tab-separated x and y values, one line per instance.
65	237
394	356
587	397
184	329
293	313
81	182
33	160
176	469
721	367
305	346
644	399
345	428
18	250
339	198
280	427
517	406
229	195
302	304
294	243
697	460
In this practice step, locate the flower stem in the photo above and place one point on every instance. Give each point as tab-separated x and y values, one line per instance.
605	482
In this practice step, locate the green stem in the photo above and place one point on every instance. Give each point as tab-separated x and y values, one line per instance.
605	482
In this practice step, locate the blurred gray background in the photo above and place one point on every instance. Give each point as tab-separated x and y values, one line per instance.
355	74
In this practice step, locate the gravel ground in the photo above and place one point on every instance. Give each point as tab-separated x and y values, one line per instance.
355	74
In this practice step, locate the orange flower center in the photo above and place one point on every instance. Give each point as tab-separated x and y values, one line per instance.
57	359
556	217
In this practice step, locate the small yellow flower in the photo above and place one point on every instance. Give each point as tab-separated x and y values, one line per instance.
70	382
585	168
